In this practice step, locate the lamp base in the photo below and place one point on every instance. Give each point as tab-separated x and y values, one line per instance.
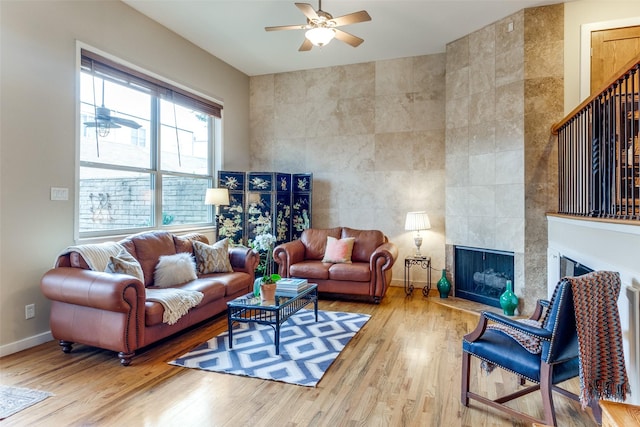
418	242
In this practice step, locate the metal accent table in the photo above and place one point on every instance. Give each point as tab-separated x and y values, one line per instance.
425	264
249	308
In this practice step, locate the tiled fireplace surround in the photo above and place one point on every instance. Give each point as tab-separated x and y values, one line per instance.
463	135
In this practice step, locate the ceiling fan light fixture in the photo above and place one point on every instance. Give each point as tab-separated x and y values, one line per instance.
320	36
103	129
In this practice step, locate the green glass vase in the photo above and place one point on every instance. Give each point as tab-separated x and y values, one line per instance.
256	286
509	300
444	285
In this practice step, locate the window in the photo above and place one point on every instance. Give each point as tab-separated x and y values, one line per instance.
146	151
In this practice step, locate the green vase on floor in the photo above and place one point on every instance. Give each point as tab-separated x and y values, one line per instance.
509	300
444	286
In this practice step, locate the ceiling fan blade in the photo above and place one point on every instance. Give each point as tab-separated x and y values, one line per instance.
306	45
348	38
352	18
308	10
125	122
286	27
106	123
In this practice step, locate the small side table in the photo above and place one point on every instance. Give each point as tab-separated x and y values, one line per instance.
425	264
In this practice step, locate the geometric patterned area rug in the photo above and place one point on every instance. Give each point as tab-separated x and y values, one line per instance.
307	348
15	399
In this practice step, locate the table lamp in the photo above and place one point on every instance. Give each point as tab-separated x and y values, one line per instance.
217	197
417	221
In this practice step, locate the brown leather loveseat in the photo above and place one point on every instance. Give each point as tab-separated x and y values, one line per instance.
113	310
366	274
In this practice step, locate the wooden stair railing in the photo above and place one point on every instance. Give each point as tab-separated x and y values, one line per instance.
599	152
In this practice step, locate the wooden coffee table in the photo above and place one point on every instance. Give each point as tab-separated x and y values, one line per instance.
248	308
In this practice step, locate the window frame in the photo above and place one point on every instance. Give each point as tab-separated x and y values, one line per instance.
160	88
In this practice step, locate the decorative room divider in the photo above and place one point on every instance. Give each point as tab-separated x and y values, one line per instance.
265	202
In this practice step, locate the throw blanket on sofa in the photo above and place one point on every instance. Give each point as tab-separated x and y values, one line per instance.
602	369
96	255
176	302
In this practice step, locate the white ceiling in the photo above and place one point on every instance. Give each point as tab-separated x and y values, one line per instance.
233	30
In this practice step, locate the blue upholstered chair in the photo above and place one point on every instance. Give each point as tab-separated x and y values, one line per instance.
557	361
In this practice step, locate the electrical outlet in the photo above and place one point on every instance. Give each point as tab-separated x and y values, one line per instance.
29	311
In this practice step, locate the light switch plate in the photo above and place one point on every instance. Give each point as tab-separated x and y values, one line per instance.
59	193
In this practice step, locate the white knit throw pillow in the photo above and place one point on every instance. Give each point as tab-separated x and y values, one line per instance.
174	270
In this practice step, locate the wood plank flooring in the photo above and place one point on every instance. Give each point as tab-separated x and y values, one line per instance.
401	369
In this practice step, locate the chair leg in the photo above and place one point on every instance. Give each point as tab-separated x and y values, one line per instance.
596	410
546	387
466	359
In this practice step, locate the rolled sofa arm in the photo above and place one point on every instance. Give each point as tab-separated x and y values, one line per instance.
244	259
384	257
287	254
105	291
95	308
381	261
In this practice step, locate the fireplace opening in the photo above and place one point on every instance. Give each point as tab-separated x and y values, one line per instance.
481	274
571	268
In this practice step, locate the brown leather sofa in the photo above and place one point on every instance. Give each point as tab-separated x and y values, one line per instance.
368	275
110	310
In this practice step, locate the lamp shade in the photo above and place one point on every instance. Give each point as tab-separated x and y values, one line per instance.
217	196
320	36
417	221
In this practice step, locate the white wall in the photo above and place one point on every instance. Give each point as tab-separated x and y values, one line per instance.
38	70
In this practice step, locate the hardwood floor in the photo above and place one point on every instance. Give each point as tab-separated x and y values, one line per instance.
401	369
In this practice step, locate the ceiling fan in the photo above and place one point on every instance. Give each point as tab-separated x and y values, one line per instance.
103	120
322	27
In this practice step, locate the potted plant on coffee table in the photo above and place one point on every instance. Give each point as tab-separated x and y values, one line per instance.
266	284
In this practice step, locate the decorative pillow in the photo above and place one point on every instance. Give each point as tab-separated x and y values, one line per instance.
212	258
125	263
339	251
174	269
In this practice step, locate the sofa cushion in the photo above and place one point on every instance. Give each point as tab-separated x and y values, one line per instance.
315	241
355	272
338	250
233	282
130	247
174	269
125	263
211	289
150	247
212	258
310	269
366	242
185	243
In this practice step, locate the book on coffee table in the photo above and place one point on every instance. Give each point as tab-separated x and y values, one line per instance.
291	286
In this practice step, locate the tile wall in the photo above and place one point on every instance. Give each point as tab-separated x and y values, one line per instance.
504	91
373	136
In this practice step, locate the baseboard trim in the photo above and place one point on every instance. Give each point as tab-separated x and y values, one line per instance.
26	343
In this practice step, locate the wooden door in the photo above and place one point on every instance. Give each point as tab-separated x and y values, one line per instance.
610	51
